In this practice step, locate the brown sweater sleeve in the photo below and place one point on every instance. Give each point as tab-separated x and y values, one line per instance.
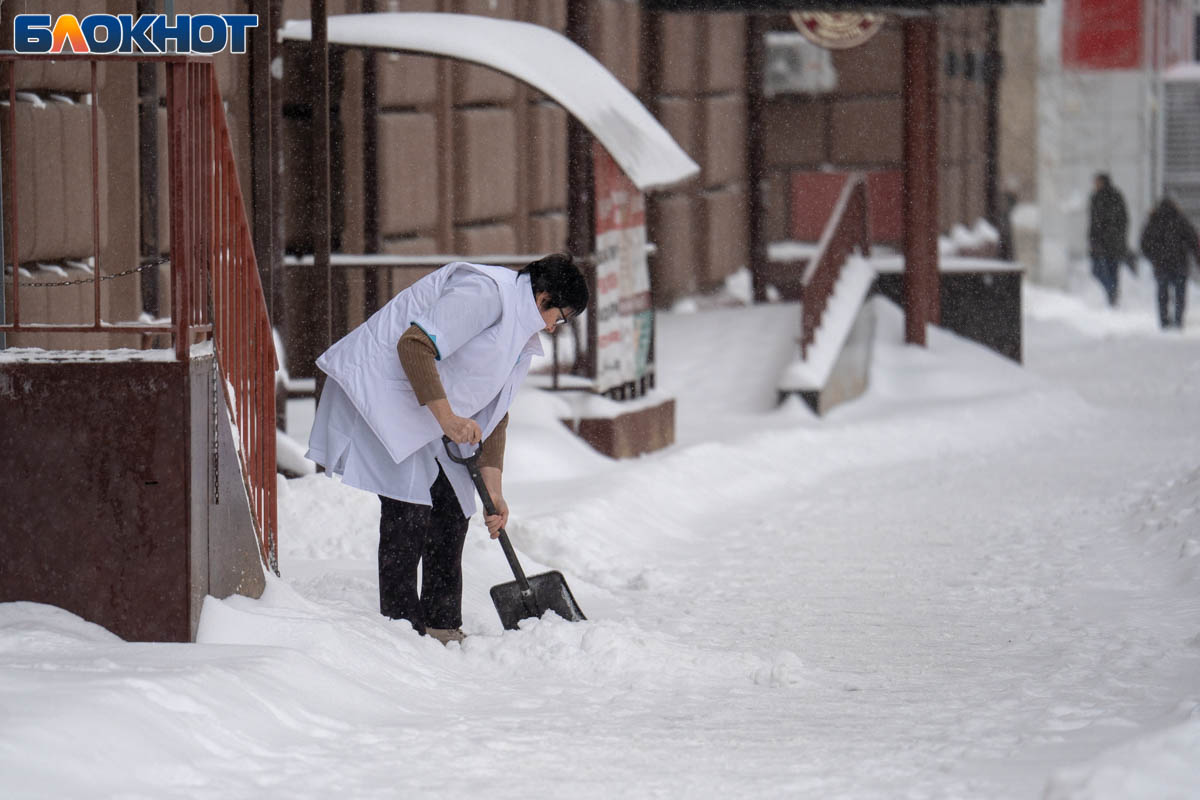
418	357
491	452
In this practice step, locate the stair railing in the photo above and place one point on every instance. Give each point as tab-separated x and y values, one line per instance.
846	231
216	284
215	288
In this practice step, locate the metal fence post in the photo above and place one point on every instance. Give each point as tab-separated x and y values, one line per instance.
3	313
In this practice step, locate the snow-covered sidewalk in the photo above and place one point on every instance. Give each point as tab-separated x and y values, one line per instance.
979	580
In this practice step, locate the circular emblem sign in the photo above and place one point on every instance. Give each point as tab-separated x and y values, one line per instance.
837	30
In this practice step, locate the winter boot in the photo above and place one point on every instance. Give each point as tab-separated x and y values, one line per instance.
446	635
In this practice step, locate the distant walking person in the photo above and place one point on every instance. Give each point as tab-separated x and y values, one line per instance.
1166	242
1108	232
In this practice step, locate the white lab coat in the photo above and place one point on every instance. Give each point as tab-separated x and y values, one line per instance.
370	429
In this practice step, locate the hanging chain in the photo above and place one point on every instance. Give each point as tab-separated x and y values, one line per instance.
143	268
217	418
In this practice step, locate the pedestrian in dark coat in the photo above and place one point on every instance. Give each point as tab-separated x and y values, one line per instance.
1108	234
1167	240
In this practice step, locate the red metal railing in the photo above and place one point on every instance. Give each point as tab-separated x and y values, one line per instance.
845	231
215	287
219	287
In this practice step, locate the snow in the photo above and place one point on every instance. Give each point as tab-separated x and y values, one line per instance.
1161	765
1187	71
978	580
979	235
1085	309
886	260
540	57
790	250
387	260
585	404
891	263
984	232
737	289
290	455
1026	217
38	355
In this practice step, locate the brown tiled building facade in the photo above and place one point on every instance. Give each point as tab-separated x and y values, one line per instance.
53	180
473	162
859	126
468	161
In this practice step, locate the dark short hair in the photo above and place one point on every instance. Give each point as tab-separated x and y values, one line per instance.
559	275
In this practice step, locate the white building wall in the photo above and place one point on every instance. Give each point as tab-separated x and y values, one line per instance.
1088	122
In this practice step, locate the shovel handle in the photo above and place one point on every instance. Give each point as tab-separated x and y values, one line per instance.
471	462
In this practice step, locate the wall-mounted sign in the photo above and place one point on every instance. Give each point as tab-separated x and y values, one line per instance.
837	30
624	315
1102	34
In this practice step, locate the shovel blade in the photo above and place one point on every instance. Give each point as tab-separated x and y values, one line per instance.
549	592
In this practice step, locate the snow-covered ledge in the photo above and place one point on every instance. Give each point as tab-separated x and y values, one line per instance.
40	355
810	376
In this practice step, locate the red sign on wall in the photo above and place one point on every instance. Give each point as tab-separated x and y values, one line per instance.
1102	34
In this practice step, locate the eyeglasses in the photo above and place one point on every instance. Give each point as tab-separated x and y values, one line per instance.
561	318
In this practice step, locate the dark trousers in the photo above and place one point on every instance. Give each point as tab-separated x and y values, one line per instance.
1168	284
1105	269
412	534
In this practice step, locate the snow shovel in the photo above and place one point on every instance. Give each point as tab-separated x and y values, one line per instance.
524	597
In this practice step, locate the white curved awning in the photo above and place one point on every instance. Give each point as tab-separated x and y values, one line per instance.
540	57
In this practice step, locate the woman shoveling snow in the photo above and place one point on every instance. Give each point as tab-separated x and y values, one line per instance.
444	357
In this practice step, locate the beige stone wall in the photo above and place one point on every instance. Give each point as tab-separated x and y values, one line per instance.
469	160
53	178
1018	103
475	163
860	124
694	83
962	120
